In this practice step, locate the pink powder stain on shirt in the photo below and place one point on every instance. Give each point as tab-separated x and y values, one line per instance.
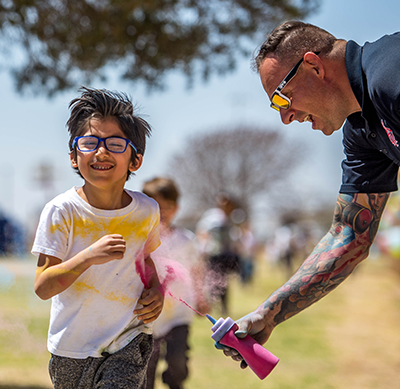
140	269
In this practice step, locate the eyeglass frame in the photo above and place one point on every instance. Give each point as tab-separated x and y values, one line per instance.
285	81
99	140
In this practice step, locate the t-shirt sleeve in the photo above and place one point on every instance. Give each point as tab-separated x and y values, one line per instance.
365	169
153	238
52	233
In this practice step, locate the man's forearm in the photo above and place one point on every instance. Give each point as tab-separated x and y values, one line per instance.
332	261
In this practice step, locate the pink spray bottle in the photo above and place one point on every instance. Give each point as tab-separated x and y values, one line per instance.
258	358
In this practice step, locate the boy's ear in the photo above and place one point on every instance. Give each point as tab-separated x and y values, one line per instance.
73	161
133	166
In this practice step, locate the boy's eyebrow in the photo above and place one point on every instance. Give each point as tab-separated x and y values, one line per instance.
110	136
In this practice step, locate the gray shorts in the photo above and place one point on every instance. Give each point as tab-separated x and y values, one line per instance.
124	369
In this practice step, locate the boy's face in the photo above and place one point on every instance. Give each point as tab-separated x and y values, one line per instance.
101	168
168	210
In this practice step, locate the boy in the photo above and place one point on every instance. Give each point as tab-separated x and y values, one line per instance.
93	245
171	329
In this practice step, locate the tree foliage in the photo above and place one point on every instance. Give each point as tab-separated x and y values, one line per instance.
65	43
244	162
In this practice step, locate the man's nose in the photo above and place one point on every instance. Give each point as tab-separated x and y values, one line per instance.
287	115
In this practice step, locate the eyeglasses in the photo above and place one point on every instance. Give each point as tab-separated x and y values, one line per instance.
114	144
278	99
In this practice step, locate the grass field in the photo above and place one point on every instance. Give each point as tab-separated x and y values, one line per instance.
349	340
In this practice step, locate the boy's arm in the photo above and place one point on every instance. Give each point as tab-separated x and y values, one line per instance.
54	276
152	297
347	243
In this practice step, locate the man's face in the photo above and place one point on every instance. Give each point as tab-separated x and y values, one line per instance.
309	92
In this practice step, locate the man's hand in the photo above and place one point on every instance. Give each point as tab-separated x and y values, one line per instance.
152	301
253	324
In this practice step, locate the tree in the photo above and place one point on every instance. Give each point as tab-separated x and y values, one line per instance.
244	162
67	42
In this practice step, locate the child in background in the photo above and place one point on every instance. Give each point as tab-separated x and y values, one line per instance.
171	329
93	245
218	236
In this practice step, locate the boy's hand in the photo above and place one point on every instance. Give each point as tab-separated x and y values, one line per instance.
106	249
152	301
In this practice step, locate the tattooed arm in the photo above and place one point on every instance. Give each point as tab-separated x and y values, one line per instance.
347	243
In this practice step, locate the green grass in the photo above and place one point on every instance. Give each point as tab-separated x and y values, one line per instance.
350	339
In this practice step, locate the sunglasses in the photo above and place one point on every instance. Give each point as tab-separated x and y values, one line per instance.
278	99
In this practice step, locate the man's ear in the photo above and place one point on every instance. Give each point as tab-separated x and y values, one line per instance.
313	61
133	166
73	160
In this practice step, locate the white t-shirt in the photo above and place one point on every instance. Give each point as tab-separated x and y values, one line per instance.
174	259
95	314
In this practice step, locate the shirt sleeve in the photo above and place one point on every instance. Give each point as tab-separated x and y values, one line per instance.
365	169
52	233
153	239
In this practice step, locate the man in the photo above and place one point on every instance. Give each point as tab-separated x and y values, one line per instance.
310	76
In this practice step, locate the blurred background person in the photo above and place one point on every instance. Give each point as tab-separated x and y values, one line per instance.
218	238
171	329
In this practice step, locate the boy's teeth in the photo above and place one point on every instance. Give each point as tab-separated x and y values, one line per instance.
102	167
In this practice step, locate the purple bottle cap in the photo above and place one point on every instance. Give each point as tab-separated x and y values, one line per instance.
221	327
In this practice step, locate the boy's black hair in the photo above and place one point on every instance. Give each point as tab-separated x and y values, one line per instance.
163	187
101	104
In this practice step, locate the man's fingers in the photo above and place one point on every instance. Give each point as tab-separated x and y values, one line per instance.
242	331
231	352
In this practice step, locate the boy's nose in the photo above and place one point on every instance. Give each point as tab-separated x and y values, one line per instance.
101	148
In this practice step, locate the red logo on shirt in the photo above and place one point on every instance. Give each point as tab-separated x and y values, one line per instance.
390	134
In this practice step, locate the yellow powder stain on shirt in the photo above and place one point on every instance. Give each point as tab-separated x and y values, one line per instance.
125	227
118	225
58	227
86	228
123	299
82	287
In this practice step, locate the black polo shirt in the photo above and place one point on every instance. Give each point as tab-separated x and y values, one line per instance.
371	138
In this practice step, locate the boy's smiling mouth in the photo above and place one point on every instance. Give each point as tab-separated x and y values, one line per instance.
97	166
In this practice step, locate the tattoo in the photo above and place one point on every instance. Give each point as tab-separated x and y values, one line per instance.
355	224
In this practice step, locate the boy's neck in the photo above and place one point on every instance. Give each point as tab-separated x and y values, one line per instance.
103	198
166	229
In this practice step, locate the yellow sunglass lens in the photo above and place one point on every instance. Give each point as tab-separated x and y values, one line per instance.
280	101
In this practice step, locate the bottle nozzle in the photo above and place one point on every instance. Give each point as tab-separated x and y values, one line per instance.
209	317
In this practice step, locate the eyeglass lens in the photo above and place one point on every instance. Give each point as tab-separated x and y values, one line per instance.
113	144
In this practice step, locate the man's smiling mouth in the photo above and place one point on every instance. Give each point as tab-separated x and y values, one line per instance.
308	118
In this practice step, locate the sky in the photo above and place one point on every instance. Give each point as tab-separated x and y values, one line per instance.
33	129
